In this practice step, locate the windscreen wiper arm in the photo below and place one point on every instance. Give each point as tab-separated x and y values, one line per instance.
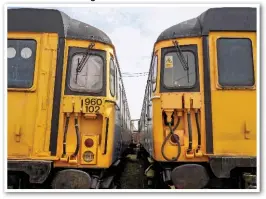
181	58
85	58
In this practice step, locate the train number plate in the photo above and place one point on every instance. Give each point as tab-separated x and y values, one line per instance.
92	105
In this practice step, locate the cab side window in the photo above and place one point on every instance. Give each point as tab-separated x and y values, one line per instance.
21	55
235	62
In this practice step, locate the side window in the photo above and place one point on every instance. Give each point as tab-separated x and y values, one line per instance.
149	102
117	80
144	112
21	55
147	99
128	122
150	87
154	73
126	117
129	126
121	105
112	77
124	107
120	98
235	62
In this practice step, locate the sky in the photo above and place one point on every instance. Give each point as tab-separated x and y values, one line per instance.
133	31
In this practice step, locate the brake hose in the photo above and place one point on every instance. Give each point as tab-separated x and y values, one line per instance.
78	138
176	137
189	132
198	129
65	135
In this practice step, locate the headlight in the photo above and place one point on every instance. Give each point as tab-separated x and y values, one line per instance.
88	156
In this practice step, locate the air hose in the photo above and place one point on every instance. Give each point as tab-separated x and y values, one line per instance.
189	132
198	129
78	138
65	135
176	140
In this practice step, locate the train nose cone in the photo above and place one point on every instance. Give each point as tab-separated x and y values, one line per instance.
190	176
71	179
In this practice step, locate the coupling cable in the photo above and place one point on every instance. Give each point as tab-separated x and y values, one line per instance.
176	138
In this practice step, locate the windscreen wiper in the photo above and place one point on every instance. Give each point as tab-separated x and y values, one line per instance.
182	58
84	59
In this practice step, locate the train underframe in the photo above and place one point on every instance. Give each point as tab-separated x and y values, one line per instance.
219	173
42	175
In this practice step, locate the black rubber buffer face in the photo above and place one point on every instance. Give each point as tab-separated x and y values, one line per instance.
190	176
222	165
38	171
71	179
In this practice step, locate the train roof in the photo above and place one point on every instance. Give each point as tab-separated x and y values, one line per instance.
54	21
214	19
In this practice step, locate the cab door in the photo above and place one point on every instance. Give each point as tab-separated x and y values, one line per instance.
233	92
31	60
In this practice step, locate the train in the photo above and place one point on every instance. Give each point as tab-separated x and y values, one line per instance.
68	116
198	120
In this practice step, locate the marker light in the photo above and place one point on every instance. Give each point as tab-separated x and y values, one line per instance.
88	156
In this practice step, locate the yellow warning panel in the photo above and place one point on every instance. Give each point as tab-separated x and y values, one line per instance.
169	62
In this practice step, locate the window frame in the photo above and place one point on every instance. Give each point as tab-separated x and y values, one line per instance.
72	51
233	87
193	48
114	84
35	70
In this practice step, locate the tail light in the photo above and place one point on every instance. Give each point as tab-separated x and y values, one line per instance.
89	142
174	138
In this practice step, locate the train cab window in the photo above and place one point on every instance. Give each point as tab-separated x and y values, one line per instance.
154	72
235	62
175	75
89	77
21	55
112	77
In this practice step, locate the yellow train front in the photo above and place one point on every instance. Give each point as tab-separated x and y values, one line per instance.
198	118
68	117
